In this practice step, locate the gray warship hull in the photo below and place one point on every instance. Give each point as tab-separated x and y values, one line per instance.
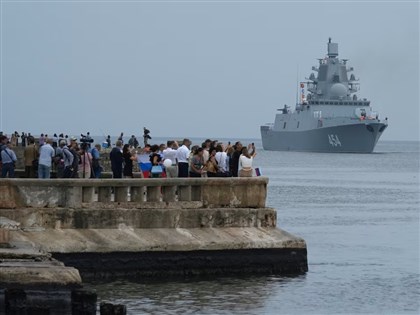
350	138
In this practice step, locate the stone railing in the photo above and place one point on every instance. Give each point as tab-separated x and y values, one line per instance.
134	193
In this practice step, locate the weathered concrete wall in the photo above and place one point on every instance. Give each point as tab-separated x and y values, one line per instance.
109	253
9	198
127	239
76	193
60	218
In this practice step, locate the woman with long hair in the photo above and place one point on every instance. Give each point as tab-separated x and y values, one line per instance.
212	165
197	163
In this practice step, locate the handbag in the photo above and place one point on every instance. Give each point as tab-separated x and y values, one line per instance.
156	169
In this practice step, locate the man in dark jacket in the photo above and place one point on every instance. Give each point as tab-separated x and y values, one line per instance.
117	160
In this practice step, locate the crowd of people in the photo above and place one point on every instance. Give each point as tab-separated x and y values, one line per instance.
73	158
211	159
68	157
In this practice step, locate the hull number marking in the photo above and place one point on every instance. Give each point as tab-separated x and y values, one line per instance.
334	141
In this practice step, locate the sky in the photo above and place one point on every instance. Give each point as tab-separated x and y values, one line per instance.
211	69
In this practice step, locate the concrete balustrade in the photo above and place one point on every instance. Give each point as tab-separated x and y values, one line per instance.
138	193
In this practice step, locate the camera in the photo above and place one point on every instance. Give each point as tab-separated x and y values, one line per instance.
85	139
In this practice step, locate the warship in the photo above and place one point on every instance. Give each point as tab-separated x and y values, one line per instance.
329	116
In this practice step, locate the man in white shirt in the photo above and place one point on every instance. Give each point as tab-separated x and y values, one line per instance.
46	153
170	154
182	156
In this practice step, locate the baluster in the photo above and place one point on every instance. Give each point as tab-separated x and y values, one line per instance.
195	193
137	194
168	193
184	193
153	193
88	194
104	194
121	194
73	197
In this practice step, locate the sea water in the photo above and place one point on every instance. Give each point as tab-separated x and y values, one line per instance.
359	214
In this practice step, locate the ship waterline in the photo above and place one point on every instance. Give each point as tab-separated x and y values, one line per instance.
349	138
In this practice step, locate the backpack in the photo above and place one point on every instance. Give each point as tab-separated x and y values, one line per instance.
58	157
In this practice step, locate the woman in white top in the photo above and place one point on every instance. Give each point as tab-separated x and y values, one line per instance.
245	161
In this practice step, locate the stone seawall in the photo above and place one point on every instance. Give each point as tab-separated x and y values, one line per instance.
141	228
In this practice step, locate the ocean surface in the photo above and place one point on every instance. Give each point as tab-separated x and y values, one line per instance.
359	214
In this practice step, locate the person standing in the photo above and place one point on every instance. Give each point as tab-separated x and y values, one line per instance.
206	146
182	156
117	160
133	142
23	139
58	160
74	149
96	158
85	167
197	163
55	141
31	158
212	166
245	161
121	137
41	140
3	145
68	159
128	161
9	159
235	158
155	159
170	154
46	154
13	139
221	158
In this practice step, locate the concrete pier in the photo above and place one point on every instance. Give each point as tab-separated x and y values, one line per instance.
147	228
